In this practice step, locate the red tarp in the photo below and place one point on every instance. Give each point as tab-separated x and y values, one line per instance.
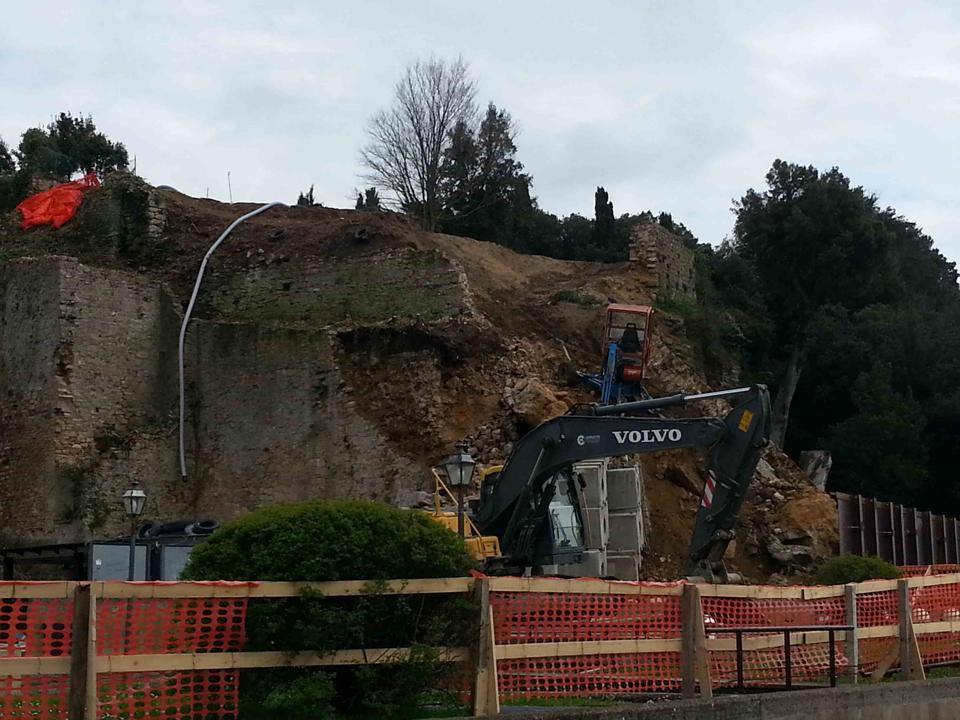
56	205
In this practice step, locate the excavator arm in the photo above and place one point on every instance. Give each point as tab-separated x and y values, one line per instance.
532	505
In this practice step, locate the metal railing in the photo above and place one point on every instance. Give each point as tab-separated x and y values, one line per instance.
786	631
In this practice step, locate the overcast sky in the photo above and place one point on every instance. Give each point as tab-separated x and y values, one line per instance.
677	106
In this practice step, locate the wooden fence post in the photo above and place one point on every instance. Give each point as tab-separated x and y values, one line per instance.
486	694
911	661
852	643
694	658
83	654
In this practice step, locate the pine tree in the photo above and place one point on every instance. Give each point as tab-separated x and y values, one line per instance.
604	225
483	177
371	200
306	199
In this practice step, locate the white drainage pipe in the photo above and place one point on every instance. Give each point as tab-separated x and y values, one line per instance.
186	320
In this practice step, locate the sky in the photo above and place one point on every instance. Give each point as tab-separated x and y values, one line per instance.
674	106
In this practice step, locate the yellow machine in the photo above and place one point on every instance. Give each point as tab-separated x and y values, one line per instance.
480	546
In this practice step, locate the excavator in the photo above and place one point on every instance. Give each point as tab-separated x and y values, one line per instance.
627	331
532	505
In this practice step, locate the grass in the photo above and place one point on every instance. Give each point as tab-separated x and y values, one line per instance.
563	702
575	297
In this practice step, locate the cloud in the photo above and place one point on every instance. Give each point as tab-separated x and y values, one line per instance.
678	107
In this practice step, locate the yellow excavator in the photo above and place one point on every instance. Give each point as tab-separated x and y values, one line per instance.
481	547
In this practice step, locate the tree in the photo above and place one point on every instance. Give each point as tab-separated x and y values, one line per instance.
371	200
604	224
7	165
485	188
306	199
881	450
407	141
68	145
814	241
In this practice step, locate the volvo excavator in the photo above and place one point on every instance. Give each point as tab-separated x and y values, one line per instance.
533	503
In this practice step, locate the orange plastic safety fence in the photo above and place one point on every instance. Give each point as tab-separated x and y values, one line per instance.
567	617
878	608
589	675
143	626
158	626
939	647
755	612
38	697
199	694
917	570
935	603
42	627
34	627
532	617
766	667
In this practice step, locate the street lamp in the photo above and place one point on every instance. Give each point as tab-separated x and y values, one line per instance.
459	470
134	500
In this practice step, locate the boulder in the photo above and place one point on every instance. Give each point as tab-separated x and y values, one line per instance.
789	554
532	402
414	499
817	464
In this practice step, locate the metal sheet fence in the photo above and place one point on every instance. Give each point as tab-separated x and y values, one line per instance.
900	535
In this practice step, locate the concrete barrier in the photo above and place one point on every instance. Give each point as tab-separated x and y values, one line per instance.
927	700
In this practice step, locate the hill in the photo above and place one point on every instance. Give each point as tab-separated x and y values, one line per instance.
333	353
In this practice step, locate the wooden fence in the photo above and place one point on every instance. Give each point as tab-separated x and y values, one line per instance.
528	623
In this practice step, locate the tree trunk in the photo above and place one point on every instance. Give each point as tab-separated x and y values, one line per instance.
784	397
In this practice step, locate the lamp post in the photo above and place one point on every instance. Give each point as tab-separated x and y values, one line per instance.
459	471
134	500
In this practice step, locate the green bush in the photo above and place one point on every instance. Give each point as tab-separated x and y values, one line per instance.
302	697
854	568
344	540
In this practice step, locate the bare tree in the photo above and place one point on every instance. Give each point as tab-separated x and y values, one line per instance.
407	141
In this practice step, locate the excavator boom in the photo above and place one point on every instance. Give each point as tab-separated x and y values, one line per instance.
533	503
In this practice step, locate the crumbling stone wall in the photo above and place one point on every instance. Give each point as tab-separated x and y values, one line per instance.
88	373
666	265
79	368
401	284
29	331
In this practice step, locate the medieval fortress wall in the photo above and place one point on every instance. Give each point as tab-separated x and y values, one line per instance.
666	264
88	376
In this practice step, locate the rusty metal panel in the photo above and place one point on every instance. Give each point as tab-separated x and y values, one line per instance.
950	540
901	535
938	540
924	549
848	518
884	525
909	522
896	520
868	525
